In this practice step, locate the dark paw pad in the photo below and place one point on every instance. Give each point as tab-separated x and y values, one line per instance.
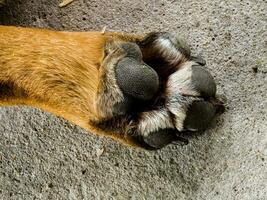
161	138
135	78
203	82
199	116
132	50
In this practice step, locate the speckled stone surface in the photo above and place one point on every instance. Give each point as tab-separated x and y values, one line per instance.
44	157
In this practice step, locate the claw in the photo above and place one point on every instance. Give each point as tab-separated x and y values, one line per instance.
199	60
180	140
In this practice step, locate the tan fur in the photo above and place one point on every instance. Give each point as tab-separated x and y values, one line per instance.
59	72
72	75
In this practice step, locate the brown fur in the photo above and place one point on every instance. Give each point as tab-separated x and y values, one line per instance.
60	72
72	75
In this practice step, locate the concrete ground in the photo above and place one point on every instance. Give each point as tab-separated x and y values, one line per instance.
45	157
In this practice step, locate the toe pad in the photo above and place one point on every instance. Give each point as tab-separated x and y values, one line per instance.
136	79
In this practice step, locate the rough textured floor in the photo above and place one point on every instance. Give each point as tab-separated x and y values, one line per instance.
44	157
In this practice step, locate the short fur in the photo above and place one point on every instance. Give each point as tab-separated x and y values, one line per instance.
72	75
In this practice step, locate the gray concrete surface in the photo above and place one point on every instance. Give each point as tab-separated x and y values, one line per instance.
44	157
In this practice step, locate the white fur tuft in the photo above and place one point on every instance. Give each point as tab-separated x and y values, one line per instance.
154	120
168	50
180	93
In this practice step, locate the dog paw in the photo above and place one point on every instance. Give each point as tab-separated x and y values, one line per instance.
189	92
